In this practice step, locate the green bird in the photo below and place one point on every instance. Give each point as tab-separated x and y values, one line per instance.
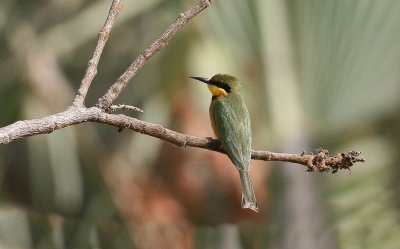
230	121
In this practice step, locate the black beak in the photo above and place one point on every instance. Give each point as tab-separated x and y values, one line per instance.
202	79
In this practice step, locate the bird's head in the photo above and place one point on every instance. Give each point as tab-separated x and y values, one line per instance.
221	84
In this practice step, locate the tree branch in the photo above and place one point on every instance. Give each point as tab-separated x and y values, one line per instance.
76	115
91	70
115	90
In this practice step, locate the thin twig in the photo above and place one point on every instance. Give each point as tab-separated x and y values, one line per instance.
113	108
91	70
76	115
114	91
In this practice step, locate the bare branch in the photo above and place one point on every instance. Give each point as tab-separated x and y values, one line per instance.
27	128
115	90
124	107
91	70
75	115
320	161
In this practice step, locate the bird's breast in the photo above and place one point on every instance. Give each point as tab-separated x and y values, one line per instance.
212	115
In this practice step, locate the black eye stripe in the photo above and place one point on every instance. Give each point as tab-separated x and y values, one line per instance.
221	85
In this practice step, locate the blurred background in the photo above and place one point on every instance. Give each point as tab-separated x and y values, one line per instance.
314	73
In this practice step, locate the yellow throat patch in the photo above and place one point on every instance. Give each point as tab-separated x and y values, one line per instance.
216	91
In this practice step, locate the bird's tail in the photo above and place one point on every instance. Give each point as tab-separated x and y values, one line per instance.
248	196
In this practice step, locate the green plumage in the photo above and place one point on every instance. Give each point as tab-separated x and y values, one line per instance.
231	124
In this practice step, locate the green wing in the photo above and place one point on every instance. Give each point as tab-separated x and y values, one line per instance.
233	124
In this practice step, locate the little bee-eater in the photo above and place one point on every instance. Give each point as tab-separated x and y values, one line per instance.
230	121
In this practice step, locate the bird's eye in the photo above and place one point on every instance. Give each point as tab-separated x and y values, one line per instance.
222	85
226	88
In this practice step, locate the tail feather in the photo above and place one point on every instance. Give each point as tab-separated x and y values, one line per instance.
248	196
